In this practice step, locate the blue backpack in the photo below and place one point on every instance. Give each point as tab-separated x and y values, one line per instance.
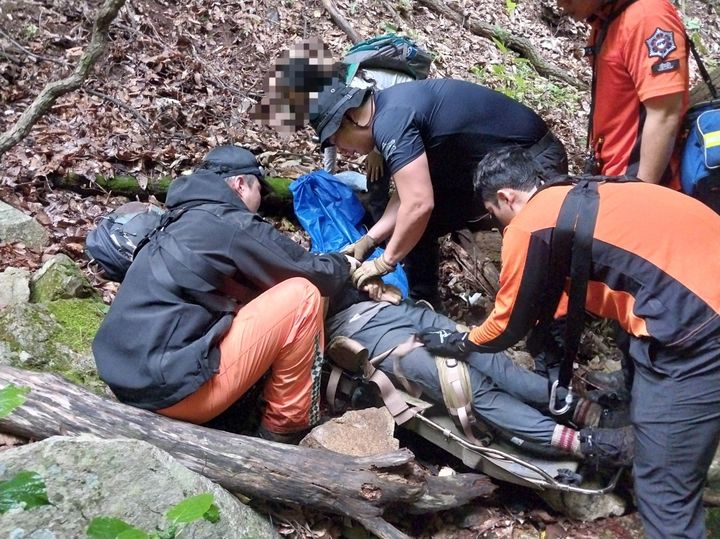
700	159
389	51
700	165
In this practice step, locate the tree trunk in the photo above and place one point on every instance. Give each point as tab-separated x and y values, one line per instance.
47	97
357	487
515	43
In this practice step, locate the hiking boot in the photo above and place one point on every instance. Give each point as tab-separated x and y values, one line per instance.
291	438
608	447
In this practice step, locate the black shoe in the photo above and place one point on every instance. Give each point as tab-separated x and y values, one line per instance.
291	438
608	447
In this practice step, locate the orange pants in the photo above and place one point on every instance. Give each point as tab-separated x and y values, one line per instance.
282	331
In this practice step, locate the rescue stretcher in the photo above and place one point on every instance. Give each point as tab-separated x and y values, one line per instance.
473	442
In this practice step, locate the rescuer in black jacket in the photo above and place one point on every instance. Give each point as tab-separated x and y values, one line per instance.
217	298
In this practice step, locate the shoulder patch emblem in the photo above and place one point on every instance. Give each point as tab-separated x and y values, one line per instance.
661	43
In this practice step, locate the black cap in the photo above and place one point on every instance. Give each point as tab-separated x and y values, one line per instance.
333	100
228	161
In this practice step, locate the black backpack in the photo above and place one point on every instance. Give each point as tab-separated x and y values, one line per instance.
114	242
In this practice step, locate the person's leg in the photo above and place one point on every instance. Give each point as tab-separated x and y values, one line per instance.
378	194
282	331
392	326
677	427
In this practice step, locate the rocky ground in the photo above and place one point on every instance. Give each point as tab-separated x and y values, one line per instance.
180	77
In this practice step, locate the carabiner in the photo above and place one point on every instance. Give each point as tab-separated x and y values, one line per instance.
553	400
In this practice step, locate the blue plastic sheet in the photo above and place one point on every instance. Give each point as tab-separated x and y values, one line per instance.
331	213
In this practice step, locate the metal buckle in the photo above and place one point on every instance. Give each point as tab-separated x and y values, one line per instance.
553	399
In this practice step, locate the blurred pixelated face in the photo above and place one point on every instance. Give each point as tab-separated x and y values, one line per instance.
293	84
579	10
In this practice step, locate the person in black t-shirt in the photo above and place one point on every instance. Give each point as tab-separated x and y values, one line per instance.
431	134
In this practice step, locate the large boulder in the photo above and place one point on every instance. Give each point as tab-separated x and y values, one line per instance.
54	337
358	432
87	477
15	226
59	278
14	286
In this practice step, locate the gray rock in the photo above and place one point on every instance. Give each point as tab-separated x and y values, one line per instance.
584	506
32	337
358	432
15	226
59	278
14	286
87	477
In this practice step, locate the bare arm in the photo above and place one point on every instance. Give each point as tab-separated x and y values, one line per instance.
415	193
662	121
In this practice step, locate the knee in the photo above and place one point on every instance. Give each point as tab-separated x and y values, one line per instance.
299	290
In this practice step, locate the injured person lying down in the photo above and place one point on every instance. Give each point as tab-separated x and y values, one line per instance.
501	393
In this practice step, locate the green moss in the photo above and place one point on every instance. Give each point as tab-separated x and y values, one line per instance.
79	321
280	186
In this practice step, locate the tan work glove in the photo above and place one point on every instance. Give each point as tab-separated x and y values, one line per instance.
377	267
374	165
361	249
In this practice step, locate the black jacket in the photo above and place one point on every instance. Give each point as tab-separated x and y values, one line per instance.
159	343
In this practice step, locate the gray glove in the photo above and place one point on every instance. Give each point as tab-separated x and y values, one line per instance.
361	249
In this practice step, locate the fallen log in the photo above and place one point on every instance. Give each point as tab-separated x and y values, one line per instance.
361	488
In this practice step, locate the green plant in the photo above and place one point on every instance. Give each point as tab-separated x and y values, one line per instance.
510	6
177	517
11	396
26	490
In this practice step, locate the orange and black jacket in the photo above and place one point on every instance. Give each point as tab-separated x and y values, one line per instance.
655	266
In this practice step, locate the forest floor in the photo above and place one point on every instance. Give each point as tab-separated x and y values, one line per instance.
180	77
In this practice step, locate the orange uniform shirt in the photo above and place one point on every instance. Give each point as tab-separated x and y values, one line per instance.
655	267
644	55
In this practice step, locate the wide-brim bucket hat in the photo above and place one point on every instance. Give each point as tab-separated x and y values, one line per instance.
328	109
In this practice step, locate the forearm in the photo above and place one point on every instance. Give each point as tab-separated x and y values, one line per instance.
658	139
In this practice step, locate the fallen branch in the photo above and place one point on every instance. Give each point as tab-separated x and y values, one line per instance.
340	21
512	42
30	53
361	488
49	94
139	117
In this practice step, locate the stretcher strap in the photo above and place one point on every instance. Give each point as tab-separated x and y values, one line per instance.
457	394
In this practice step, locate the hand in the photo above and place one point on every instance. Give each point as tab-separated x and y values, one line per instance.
374	166
354	263
377	267
361	249
379	291
446	343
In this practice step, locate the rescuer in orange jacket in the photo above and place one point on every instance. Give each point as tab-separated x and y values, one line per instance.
654	268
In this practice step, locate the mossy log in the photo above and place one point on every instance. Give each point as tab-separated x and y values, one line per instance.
362	488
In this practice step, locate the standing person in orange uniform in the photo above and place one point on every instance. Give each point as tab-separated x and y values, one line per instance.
640	86
658	278
217	298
